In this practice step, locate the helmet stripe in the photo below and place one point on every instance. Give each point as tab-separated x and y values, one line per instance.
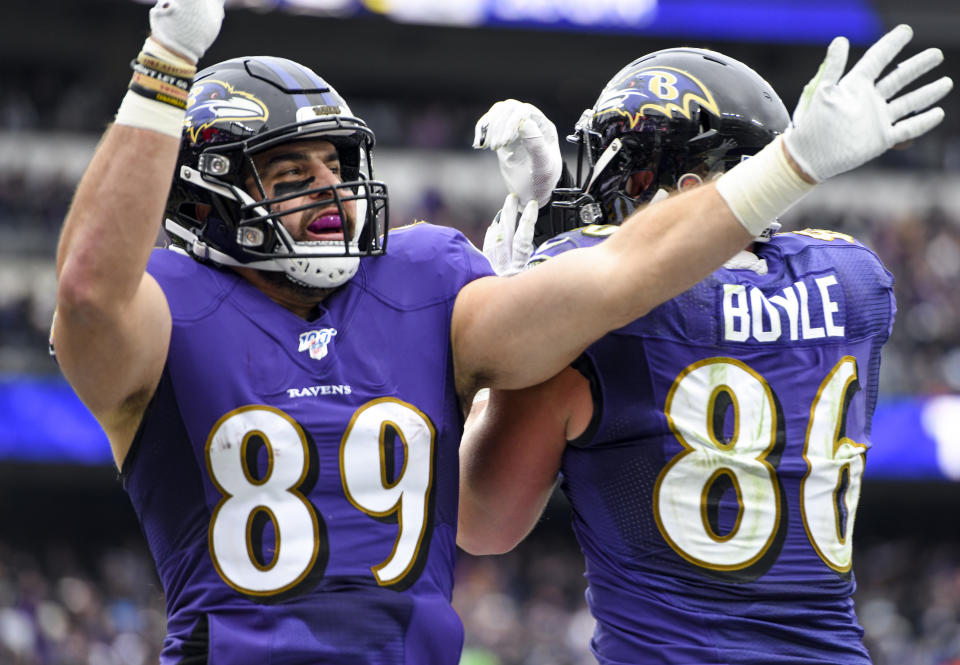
311	76
296	78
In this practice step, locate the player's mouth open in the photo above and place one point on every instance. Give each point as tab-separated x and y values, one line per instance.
327	226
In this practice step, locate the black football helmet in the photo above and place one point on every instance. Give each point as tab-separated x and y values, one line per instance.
238	108
666	121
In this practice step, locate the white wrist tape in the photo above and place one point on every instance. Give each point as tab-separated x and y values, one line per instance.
761	188
158	50
138	111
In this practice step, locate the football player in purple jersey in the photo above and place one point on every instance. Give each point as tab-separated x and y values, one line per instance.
712	450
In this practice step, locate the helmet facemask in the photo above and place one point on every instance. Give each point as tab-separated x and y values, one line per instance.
657	155
626	168
221	212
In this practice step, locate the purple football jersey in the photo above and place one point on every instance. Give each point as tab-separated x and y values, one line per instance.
296	480
714	492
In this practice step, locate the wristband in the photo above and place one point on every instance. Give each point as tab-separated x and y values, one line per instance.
159	86
161	75
761	188
158	91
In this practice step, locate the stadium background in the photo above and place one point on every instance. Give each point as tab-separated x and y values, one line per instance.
76	585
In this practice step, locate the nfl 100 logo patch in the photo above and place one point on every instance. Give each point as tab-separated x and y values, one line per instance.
316	342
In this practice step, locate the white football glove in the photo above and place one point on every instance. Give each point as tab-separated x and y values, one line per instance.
841	123
186	26
508	242
527	148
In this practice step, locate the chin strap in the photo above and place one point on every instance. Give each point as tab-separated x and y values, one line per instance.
202	250
197	247
603	161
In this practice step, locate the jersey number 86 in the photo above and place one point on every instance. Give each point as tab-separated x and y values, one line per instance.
829	491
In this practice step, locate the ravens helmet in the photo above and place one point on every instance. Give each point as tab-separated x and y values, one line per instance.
218	209
666	121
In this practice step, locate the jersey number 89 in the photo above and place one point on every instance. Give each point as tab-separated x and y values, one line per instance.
251	500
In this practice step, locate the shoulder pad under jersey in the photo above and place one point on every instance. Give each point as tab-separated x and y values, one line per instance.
192	289
424	264
585	236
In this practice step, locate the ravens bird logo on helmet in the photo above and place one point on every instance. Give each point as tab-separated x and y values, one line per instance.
213	102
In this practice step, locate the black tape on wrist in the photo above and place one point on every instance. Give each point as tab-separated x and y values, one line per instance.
168	87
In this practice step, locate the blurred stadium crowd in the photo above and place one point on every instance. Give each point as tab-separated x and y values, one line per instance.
64	606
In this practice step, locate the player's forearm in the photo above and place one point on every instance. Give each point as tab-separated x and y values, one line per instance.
664	250
675	244
498	508
114	219
558	309
480	527
482	530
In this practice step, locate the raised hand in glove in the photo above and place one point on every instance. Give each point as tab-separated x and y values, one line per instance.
527	148
841	123
187	27
508	242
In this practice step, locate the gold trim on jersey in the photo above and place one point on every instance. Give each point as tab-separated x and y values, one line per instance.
396	508
705	506
824	234
243	455
849	384
689	449
254	558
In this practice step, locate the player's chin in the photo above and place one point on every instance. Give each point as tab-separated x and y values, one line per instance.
295	287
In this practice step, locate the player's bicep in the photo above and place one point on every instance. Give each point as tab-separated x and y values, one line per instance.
518	331
114	359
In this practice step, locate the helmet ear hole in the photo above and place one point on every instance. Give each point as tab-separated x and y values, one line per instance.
688	181
704	122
